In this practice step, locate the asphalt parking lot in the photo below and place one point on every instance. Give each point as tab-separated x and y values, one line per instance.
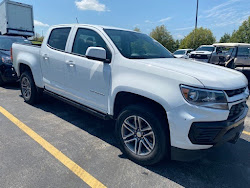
89	142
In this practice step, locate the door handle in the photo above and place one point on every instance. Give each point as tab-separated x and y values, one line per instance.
45	56
70	63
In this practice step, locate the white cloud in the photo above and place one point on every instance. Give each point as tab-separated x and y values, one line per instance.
184	28
40	24
91	5
161	20
225	14
165	19
220	7
178	36
148	21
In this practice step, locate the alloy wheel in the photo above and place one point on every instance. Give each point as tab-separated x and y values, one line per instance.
138	135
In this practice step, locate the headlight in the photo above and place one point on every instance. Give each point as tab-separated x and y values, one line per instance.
204	97
6	59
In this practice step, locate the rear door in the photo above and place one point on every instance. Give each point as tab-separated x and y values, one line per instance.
53	60
243	56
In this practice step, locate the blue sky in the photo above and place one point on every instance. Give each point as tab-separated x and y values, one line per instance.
177	15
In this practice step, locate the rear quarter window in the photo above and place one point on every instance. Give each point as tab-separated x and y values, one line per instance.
58	38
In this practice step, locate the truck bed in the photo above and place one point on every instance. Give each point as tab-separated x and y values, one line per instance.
24	53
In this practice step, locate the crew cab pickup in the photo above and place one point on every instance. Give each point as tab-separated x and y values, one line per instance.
163	106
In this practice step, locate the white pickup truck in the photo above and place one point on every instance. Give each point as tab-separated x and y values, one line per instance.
163	106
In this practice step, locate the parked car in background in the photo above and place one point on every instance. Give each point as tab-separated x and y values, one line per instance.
163	106
231	55
7	72
203	53
182	53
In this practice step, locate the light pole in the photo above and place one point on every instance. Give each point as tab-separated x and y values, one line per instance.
197	7
196	20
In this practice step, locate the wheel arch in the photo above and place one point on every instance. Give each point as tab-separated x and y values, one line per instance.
24	66
125	98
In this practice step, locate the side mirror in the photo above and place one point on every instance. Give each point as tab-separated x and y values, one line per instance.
96	53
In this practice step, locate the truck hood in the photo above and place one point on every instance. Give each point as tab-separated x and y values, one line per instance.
211	76
201	52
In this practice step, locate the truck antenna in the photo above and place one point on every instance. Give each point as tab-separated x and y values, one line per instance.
77	20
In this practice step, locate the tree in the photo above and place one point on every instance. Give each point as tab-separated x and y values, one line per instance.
243	33
225	38
38	37
197	37
176	45
137	29
163	36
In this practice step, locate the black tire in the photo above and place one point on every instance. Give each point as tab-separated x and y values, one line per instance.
159	127
1	81
34	94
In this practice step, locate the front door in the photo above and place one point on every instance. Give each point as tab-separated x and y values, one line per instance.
88	81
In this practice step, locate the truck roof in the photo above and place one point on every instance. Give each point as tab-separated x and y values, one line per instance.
207	45
90	25
231	44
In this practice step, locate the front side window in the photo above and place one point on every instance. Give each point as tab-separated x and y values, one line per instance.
88	38
135	45
58	38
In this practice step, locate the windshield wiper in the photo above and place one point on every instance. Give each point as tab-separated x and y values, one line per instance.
4	49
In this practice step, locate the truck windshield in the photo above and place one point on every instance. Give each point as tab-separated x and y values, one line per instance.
134	45
6	43
179	52
205	48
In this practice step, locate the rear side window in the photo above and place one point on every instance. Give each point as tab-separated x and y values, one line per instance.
58	38
243	51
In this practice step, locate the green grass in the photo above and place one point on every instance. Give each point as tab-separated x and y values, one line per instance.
36	42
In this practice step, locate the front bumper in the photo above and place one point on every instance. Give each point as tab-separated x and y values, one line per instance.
197	128
212	133
7	73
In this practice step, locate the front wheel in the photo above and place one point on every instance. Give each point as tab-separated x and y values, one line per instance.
28	88
142	135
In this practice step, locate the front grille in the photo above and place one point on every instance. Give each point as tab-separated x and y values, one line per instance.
236	110
199	56
231	93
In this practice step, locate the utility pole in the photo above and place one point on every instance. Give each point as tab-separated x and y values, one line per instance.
197	7
196	20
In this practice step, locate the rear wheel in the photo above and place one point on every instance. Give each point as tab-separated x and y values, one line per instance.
28	88
142	135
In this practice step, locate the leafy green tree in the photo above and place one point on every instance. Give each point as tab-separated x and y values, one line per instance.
243	33
137	29
163	36
197	37
176	45
225	38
